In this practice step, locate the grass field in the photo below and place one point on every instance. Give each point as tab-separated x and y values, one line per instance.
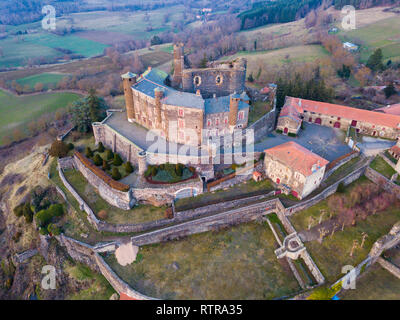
305	53
380	165
140	214
376	284
237	263
17	112
334	252
47	79
384	34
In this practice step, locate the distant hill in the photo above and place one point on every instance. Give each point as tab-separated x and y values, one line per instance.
362	4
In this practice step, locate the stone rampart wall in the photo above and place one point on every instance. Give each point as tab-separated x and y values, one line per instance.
327	192
264	125
382	180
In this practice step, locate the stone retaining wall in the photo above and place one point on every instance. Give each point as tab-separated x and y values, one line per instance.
86	254
340	163
327	192
205	224
389	267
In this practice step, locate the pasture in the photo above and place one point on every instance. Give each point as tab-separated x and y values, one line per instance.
17	112
47	79
278	57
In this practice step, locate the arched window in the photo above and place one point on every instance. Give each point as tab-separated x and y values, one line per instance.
197	81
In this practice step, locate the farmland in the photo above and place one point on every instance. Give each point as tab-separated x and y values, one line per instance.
17	112
47	79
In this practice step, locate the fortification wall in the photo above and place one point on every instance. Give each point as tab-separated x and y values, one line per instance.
205	224
119	199
327	192
382	180
86	254
264	125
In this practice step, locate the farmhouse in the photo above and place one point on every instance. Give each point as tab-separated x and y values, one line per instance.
350	46
371	123
295	168
200	104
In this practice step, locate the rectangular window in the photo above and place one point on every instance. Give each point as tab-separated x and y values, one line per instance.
226	120
181	123
217	121
180	112
209	123
241	115
181	135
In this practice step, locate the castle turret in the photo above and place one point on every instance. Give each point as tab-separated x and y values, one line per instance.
179	64
142	162
233	110
128	80
158	95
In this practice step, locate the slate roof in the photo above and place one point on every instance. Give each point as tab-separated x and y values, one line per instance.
154	79
220	105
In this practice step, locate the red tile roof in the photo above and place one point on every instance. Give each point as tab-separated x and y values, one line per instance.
291	110
395	150
391	109
124	296
296	157
378	118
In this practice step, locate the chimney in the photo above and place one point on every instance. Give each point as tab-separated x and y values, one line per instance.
198	93
149	68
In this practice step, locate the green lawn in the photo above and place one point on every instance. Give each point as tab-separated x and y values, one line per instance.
383	34
17	112
44	78
334	252
376	284
257	110
140	214
300	220
237	263
380	165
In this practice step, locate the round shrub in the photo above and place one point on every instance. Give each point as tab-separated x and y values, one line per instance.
128	167
19	210
103	214
58	149
115	174
88	152
43	231
179	169
98	161
341	188
117	160
100	147
70	146
53	229
105	165
109	154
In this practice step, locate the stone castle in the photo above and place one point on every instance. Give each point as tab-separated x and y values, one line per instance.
194	105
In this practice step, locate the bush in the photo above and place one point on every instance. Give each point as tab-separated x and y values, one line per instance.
100	147
105	165
278	131
341	188
179	169
109	154
43	231
53	229
58	149
70	146
102	214
98	161
88	152
154	171
19	210
28	213
117	160
128	167
44	217
290	134
115	174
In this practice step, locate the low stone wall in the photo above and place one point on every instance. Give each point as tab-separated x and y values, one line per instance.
86	254
205	224
327	192
119	199
82	204
380	179
340	163
312	267
389	267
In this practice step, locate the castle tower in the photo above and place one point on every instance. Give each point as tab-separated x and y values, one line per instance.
158	95
179	64
142	162
128	80
233	110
